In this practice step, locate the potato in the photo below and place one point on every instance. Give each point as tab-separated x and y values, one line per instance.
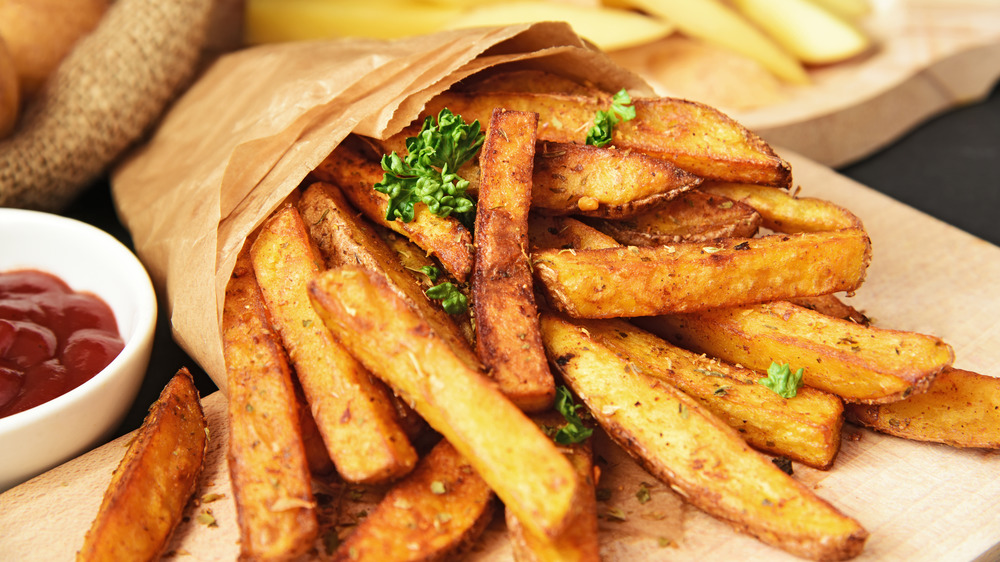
154	481
647	281
40	33
805	29
692	216
566	233
783	212
10	94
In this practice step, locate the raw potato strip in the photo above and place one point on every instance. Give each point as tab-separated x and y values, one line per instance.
507	337
960	408
345	238
674	438
693	136
435	513
444	237
154	480
693	216
648	281
353	412
272	486
856	362
519	462
783	212
579	542
804	429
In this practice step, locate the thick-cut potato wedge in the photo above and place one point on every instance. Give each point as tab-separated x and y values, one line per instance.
272	486
830	305
566	233
154	481
694	136
693	216
352	410
579	541
648	281
507	338
464	405
858	363
443	237
784	212
678	441
345	238
960	408
579	179
434	513
805	428
529	80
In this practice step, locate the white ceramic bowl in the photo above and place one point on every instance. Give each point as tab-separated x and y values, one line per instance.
91	260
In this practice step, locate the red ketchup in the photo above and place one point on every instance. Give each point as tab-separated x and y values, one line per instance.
52	339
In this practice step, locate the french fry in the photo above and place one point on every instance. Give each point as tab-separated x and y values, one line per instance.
830	305
434	513
676	440
960	408
154	481
507	338
444	237
566	233
465	406
805	428
344	237
272	485
579	541
783	212
352	410
648	281
693	216
856	362
693	136
537	81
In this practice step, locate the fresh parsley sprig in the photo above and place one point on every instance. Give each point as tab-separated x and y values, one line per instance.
427	174
452	299
605	121
574	431
782	380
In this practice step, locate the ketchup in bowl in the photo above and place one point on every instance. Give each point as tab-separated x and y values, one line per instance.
52	339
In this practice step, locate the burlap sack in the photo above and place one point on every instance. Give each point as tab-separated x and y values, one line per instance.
104	96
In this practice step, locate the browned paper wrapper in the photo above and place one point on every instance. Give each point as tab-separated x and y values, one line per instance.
251	128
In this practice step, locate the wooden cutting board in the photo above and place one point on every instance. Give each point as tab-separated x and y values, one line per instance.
920	502
931	55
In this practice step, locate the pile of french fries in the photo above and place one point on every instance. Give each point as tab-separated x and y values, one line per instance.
658	278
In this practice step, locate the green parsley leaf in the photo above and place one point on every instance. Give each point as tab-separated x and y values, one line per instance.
428	172
782	381
605	121
574	431
452	300
431	272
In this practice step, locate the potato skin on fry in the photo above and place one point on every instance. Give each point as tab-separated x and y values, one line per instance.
783	212
686	277
154	481
272	485
507	337
434	513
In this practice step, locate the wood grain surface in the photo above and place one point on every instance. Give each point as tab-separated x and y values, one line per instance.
920	502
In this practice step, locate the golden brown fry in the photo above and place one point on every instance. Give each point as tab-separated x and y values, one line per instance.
465	406
858	363
699	456
783	212
353	411
693	216
345	238
960	408
565	233
805	428
830	305
538	81
272	486
507	338
154	481
578	179
647	281
693	136
579	541
444	237
435	513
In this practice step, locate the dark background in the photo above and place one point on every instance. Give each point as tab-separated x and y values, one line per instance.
949	168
